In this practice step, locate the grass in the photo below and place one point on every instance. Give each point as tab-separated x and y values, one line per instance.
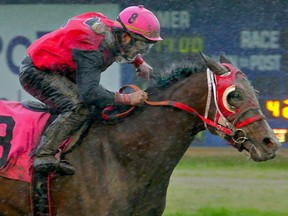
222	182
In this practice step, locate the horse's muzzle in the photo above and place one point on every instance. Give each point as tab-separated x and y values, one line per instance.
266	151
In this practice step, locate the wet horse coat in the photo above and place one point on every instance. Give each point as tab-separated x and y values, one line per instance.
124	169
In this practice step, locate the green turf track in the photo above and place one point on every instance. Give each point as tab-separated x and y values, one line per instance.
222	182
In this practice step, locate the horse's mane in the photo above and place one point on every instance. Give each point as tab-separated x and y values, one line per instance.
180	69
175	71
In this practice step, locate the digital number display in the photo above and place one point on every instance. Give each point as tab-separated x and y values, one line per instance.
183	45
277	108
281	134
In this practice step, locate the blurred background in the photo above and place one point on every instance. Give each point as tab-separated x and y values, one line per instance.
253	34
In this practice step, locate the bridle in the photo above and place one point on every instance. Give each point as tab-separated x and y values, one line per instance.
238	136
229	130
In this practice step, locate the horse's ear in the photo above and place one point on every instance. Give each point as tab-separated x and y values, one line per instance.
223	59
213	65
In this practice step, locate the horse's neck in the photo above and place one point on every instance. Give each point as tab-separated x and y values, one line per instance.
192	91
140	153
156	131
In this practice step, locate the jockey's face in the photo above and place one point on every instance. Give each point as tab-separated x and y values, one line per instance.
141	47
134	46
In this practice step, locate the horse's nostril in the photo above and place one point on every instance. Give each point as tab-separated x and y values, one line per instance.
268	142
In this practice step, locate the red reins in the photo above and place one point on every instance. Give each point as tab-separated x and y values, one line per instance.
174	104
222	113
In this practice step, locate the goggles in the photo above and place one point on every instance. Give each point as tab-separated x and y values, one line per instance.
142	47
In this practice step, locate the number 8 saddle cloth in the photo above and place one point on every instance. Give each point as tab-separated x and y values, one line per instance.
20	132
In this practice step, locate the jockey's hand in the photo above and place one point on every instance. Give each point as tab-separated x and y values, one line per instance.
145	71
138	97
134	99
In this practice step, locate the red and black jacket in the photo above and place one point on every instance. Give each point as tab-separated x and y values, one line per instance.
76	51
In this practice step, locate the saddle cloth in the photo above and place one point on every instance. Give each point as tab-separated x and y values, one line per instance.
20	132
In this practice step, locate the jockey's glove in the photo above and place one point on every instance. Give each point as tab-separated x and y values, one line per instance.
134	99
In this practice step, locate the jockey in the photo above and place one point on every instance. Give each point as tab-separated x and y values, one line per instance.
63	68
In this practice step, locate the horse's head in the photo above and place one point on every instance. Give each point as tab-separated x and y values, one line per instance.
237	108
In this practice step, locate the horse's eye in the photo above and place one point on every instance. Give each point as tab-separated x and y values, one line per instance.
234	99
233	95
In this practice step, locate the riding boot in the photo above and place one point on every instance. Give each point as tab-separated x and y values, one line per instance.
45	160
63	127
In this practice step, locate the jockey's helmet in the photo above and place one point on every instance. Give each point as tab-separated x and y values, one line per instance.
139	20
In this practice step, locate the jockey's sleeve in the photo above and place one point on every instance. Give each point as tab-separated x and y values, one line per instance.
90	65
137	61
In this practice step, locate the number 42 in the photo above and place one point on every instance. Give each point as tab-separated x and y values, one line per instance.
274	106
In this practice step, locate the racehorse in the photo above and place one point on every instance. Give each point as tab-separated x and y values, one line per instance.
124	168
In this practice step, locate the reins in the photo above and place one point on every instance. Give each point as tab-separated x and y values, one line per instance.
167	103
230	129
